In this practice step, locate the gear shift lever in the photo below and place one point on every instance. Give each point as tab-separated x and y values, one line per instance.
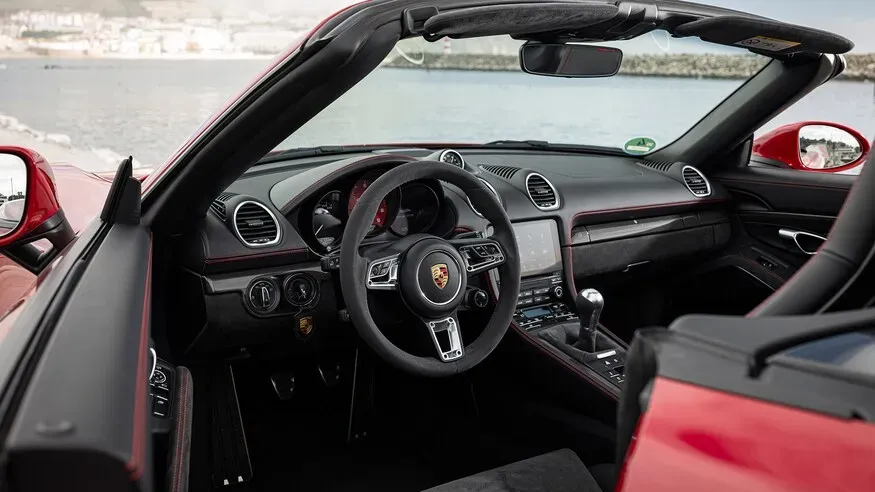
589	305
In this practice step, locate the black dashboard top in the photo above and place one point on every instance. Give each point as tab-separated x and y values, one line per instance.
575	189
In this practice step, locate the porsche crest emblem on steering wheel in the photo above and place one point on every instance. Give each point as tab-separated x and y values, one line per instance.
440	275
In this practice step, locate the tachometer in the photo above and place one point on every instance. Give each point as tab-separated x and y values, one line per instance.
327	219
417	210
355	195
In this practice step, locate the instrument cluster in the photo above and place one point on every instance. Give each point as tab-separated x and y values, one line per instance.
413	208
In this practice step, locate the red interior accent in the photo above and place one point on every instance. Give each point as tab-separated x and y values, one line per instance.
136	464
694	438
782	144
41	201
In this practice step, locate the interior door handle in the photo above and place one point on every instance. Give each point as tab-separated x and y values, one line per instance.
809	242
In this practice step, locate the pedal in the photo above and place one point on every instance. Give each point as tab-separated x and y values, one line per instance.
284	385
330	374
361	408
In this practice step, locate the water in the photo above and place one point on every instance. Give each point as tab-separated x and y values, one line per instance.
149	107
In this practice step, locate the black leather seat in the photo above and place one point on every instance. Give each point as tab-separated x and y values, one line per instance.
559	471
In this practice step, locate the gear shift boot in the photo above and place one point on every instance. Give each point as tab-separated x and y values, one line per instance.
584	342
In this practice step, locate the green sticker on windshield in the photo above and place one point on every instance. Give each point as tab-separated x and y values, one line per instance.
639	145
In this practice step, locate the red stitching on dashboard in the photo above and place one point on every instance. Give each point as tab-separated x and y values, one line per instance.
222	259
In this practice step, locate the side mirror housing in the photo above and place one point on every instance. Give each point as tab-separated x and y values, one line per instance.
814	146
30	209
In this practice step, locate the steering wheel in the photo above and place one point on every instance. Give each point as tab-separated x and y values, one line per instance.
429	274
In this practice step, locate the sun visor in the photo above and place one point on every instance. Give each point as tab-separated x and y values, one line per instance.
520	18
764	36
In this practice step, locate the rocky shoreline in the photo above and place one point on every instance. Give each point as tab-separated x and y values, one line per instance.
710	66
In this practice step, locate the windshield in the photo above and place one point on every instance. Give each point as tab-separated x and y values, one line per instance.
473	91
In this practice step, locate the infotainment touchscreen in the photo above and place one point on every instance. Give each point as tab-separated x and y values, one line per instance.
538	243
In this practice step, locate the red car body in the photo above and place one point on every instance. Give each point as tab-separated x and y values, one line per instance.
690	438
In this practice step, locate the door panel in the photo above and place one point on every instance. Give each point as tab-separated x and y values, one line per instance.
83	421
769	200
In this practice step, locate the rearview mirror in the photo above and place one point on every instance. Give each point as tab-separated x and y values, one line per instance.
570	60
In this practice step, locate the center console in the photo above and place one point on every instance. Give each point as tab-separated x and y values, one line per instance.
568	322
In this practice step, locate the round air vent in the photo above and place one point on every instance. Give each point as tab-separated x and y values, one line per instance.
256	225
541	192
696	181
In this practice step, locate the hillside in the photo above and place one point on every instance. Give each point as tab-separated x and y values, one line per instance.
106	7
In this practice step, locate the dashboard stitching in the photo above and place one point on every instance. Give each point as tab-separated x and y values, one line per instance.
223	259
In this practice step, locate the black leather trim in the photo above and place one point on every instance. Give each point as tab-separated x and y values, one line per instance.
180	436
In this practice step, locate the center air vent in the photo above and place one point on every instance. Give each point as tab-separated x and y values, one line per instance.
541	192
696	181
255	224
505	172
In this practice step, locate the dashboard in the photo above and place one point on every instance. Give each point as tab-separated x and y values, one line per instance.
264	258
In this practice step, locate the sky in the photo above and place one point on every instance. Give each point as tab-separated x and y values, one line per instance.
854	19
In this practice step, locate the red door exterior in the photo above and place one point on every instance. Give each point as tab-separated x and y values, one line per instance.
698	439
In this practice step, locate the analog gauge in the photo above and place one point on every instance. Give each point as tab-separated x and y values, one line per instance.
355	195
452	157
327	219
417	210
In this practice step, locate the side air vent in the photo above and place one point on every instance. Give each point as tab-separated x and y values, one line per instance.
658	165
218	205
696	181
505	172
256	225
541	192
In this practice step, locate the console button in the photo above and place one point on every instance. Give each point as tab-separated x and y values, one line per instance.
542	291
160	407
524	302
539	298
525	293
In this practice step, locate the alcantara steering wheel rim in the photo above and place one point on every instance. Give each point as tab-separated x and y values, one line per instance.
436	307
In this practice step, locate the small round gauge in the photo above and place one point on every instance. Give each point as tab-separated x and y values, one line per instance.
452	157
417	210
355	195
327	219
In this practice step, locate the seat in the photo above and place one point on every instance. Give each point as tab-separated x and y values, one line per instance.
559	471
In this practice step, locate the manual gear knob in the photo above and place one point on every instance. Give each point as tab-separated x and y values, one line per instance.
589	303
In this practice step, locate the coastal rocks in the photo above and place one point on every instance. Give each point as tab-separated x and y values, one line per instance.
705	66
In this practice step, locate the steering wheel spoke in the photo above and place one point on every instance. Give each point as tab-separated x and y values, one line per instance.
480	254
382	273
446	334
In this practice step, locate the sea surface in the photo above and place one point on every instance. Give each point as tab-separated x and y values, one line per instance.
147	108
